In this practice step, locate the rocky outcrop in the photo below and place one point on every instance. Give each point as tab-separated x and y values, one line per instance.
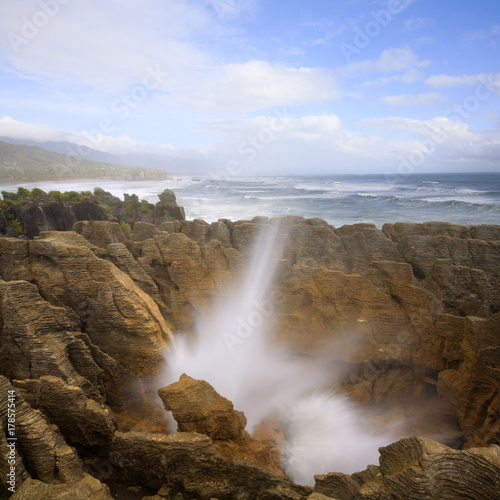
189	463
197	407
420	468
100	298
82	420
86	318
88	487
420	303
189	276
80	333
39	452
28	213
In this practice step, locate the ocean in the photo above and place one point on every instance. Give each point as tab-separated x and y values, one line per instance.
471	198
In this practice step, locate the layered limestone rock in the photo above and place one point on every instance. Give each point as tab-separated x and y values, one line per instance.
85	320
189	276
88	487
403	297
197	407
189	463
420	468
96	295
82	420
40	452
76	333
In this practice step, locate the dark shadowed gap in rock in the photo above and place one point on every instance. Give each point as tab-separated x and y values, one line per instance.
417	272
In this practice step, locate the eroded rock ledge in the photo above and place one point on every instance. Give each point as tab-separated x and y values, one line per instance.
87	315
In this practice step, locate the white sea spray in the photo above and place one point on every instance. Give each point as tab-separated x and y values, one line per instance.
324	431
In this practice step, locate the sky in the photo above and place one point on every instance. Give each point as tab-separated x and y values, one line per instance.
259	86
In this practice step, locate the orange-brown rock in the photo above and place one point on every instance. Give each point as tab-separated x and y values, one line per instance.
402	295
85	318
67	313
420	468
116	315
39	452
197	407
189	277
190	464
100	233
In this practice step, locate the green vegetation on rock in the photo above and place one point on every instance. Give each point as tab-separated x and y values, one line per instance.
28	212
125	228
16	225
144	207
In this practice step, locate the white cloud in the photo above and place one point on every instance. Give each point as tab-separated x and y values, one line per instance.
484	34
14	129
239	88
443	141
101	44
411	75
111	48
293	51
18	130
279	126
268	144
444	81
420	128
279	143
231	8
449	134
431	99
390	61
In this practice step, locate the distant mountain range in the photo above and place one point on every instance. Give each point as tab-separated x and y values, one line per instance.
170	164
21	162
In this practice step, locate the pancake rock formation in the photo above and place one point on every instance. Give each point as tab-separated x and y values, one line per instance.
87	319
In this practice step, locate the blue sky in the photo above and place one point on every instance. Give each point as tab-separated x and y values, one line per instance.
259	86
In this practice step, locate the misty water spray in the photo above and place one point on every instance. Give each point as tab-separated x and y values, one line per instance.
231	351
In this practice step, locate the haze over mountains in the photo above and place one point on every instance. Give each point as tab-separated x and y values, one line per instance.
170	164
21	163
